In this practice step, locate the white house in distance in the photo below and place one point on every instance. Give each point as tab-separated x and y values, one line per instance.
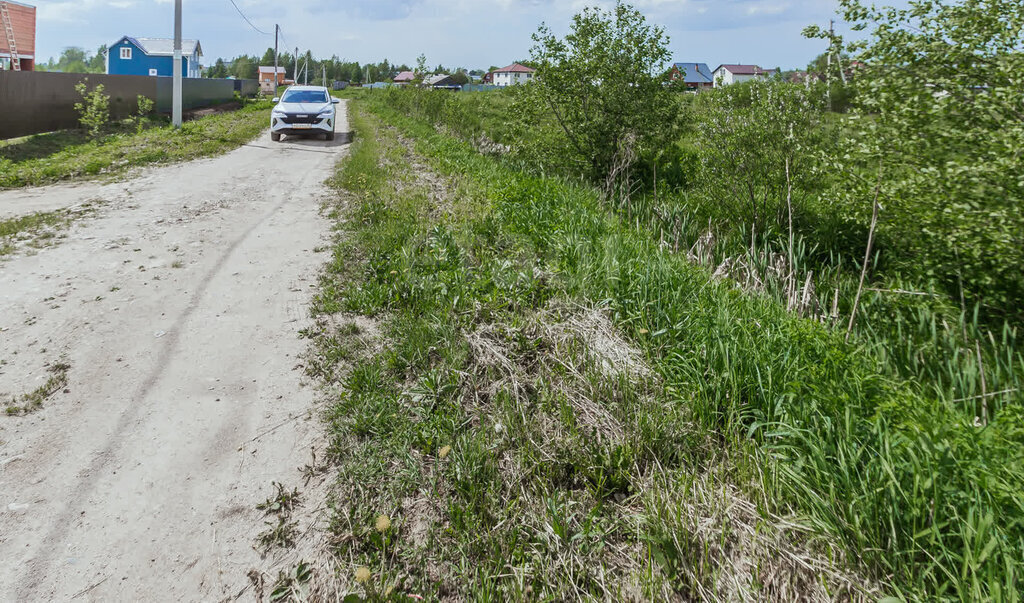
733	74
512	75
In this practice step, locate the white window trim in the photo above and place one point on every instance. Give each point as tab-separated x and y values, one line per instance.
126	53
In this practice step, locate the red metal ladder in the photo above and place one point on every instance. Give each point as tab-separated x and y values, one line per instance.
11	43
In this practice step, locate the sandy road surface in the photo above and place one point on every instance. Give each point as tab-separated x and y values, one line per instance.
177	306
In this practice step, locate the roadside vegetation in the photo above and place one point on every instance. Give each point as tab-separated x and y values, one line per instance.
34	400
774	357
121	146
496	434
39	229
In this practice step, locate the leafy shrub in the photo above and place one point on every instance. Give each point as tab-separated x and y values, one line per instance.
145	108
94	111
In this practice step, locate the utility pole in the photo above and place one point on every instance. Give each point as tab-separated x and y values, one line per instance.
277	28
295	73
176	85
305	70
837	50
323	67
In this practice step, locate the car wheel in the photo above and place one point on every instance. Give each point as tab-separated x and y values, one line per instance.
275	136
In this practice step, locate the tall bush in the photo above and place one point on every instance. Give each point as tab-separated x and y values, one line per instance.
604	85
756	144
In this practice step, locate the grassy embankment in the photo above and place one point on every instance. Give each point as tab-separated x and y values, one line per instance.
962	350
45	158
517	446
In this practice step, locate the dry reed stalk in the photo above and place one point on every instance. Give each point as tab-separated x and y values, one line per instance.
867	253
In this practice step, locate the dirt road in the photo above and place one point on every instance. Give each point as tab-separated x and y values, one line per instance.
178	306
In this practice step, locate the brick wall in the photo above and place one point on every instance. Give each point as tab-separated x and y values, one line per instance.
23	19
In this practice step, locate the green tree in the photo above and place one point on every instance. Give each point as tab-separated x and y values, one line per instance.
421	68
268	57
244	67
938	128
98	63
604	84
219	70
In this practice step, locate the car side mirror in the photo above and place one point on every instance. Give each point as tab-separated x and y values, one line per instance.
276	99
335	100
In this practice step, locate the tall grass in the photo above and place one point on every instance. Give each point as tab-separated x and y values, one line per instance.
927	498
942	345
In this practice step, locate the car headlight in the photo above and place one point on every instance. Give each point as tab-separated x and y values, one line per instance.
326	112
277	113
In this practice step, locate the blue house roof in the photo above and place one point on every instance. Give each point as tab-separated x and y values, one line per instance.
695	73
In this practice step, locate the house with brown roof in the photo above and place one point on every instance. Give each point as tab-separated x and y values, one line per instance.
512	75
734	74
405	77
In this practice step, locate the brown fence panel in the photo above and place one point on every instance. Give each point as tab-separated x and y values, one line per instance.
33	101
195	93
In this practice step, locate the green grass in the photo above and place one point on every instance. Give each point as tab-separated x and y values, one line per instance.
38	229
921	330
46	158
513	464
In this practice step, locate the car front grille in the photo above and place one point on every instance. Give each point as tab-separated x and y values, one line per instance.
301	118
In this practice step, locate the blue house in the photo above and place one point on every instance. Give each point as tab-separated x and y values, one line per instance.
152	56
695	76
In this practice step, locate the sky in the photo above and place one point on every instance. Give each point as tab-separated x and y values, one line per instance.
456	33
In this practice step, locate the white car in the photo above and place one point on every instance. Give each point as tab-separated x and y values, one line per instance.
303	110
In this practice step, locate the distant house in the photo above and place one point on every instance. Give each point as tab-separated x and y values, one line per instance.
265	75
152	56
734	74
405	77
18	45
442	81
510	76
695	76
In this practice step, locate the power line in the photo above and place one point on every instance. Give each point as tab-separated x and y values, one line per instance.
247	19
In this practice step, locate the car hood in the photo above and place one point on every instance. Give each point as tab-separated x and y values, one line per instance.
301	107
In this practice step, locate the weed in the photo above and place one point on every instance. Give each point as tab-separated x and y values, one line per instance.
34	400
291	586
281	534
282	502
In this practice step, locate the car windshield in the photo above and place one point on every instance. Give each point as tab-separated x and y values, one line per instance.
304	96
